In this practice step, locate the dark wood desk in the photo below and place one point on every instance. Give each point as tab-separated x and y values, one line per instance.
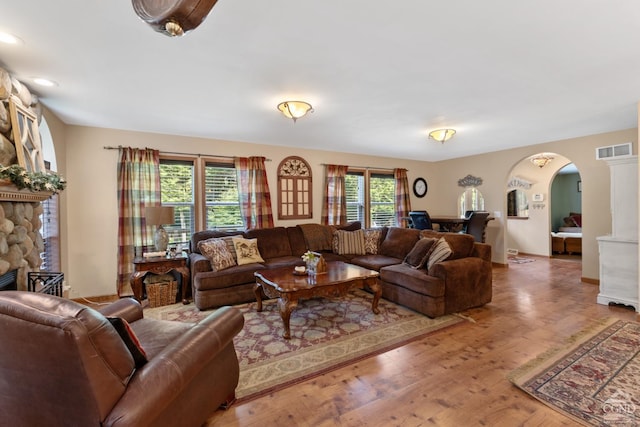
160	265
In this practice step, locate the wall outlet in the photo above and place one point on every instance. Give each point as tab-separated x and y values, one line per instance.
497	214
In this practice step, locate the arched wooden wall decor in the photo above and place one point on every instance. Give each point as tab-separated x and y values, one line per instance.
294	189
26	136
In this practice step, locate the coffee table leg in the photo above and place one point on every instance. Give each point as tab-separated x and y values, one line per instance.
286	307
257	290
377	293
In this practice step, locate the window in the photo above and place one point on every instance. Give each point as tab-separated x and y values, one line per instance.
222	205
371	198
207	203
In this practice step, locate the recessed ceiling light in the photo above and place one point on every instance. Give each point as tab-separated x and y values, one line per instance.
10	38
44	82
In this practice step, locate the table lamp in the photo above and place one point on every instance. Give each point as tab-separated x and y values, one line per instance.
159	215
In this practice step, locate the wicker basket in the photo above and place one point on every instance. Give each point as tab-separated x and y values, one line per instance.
162	293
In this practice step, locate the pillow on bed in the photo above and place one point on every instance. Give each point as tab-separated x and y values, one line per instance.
577	218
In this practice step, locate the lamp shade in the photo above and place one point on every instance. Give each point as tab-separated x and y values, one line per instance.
295	109
159	215
173	17
442	135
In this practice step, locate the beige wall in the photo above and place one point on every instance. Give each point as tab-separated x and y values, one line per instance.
89	224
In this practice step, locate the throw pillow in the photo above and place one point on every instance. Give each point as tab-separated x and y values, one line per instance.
217	251
372	240
349	242
419	255
130	340
247	250
440	251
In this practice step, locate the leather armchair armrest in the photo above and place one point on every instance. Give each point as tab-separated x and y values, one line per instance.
127	308
157	383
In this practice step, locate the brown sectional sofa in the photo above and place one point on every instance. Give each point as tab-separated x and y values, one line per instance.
462	281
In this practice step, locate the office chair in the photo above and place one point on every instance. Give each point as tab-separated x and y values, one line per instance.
420	220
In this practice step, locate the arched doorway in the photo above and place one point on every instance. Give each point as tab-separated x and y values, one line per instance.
530	199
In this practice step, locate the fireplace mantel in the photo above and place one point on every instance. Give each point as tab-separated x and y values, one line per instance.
10	193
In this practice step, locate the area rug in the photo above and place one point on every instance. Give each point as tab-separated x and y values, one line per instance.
520	260
326	334
594	378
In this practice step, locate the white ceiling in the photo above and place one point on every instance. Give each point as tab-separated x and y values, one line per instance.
379	74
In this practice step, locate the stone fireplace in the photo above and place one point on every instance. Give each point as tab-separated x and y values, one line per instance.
20	240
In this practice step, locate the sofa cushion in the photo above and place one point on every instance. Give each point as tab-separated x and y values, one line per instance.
230	277
460	244
272	242
218	253
419	255
374	262
416	280
372	239
247	250
349	242
439	252
398	242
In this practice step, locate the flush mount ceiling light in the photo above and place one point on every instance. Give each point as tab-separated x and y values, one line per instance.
44	82
295	109
10	38
442	135
173	17
541	160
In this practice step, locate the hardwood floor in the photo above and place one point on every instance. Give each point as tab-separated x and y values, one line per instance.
455	377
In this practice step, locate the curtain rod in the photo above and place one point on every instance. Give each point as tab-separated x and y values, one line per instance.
182	154
365	167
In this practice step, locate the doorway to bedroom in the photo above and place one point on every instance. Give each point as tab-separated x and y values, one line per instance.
566	214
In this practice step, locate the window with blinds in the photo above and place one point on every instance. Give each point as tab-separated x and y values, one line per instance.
221	197
177	190
382	200
354	188
370	198
50	235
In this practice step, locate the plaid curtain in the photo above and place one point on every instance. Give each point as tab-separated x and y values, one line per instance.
253	191
334	206
138	187
402	199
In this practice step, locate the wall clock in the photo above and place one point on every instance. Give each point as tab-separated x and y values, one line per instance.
420	187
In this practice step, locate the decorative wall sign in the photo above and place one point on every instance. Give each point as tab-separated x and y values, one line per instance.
26	137
294	189
517	182
470	181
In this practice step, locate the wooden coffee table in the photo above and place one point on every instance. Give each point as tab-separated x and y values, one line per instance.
288	287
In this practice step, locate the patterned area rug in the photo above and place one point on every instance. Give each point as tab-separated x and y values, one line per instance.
594	379
325	335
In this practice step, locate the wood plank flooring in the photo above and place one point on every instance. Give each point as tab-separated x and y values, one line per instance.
455	377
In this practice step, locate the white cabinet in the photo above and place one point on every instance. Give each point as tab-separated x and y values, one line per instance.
619	251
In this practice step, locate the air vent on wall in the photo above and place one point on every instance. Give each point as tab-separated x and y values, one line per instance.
620	150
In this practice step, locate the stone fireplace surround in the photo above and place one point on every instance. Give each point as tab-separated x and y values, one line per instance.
20	240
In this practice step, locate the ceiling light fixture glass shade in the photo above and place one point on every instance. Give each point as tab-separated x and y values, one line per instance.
295	109
442	135
541	160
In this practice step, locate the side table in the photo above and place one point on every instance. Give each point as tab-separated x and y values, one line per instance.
160	265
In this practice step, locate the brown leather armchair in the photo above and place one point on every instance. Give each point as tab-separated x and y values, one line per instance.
63	364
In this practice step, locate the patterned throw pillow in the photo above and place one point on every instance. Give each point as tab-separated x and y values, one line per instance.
441	251
217	251
372	240
130	340
419	255
349	242
247	250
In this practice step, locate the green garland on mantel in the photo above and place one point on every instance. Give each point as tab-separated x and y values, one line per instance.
34	181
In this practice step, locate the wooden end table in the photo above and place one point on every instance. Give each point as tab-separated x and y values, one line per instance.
288	287
160	265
